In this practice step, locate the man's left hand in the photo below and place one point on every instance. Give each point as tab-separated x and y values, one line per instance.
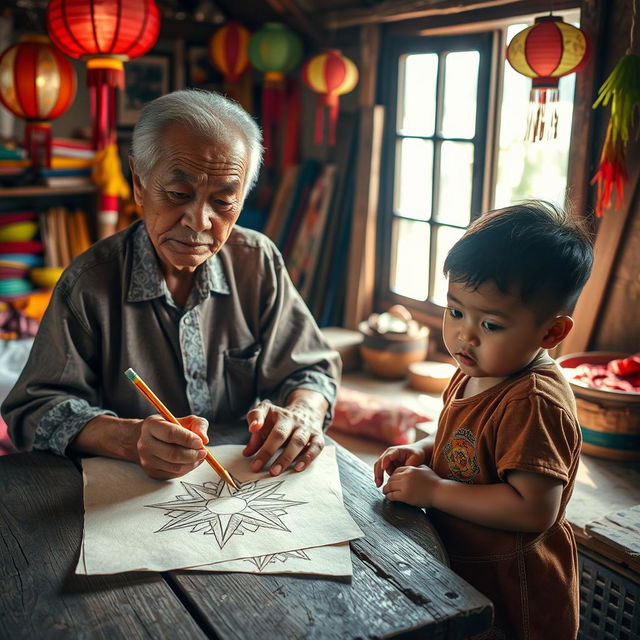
296	427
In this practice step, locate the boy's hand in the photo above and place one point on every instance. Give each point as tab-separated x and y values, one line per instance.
394	457
413	485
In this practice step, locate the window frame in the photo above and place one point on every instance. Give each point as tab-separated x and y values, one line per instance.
395	47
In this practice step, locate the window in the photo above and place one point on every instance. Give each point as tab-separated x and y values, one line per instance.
440	170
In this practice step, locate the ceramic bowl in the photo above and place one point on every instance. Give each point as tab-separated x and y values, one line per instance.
18	231
45	276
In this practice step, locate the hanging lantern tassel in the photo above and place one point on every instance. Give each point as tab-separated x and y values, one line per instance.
545	52
37	142
622	89
107	174
331	75
272	106
105	75
542	121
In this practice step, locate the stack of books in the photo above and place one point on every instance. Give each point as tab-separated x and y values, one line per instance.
71	163
65	235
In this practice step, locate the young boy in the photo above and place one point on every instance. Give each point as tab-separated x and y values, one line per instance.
502	467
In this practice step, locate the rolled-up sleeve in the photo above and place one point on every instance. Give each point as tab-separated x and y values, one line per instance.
295	354
56	393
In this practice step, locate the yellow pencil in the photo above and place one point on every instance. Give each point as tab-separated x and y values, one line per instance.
141	386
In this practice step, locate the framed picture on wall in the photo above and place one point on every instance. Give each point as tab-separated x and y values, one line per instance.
199	70
146	78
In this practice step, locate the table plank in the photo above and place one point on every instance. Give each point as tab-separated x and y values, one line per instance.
40	596
398	589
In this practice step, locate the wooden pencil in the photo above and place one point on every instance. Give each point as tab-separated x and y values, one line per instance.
142	387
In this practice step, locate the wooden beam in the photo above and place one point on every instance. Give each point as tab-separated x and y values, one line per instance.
362	246
291	9
396	10
583	150
369	56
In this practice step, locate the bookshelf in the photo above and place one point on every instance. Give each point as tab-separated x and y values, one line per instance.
43	191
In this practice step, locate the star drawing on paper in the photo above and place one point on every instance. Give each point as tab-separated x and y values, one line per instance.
211	509
262	561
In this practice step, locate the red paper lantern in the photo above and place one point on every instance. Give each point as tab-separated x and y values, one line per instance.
545	52
105	33
331	75
37	83
228	50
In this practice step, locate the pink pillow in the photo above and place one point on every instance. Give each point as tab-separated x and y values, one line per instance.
376	417
6	446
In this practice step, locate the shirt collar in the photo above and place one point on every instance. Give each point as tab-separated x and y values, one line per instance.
147	281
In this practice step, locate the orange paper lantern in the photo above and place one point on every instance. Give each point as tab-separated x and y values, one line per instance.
545	52
331	75
228	50
37	83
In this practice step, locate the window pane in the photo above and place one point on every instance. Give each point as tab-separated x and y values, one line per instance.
417	94
456	174
414	177
460	94
531	169
410	259
446	237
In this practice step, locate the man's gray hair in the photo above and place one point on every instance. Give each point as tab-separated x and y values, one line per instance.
209	114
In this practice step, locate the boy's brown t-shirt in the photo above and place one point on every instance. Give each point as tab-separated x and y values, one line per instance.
527	423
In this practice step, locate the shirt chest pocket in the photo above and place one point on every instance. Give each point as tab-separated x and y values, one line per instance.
241	378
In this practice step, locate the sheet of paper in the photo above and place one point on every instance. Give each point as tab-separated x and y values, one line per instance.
135	523
331	560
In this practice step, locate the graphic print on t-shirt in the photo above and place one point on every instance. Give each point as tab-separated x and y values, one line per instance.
460	453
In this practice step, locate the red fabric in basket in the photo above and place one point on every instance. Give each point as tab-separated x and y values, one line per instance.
617	375
376	417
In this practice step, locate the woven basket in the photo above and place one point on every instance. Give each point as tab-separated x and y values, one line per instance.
610	420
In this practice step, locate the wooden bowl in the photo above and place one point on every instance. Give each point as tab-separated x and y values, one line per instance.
389	355
430	377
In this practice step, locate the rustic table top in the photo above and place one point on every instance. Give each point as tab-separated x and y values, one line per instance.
399	588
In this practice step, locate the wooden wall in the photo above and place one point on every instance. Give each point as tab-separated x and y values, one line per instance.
608	313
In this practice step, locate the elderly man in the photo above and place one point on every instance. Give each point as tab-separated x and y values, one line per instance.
203	310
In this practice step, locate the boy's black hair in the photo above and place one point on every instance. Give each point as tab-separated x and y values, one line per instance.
533	249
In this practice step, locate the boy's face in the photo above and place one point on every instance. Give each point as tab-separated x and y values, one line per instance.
490	334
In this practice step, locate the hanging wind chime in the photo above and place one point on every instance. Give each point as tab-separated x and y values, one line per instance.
622	90
545	52
331	75
274	50
37	83
105	34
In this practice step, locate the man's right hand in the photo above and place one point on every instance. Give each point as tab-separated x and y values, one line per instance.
407	455
166	450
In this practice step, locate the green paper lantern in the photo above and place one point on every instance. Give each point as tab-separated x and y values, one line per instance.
275	50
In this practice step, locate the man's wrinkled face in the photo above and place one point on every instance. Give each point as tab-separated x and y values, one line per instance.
192	197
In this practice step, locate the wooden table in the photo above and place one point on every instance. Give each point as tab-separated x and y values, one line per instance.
398	588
